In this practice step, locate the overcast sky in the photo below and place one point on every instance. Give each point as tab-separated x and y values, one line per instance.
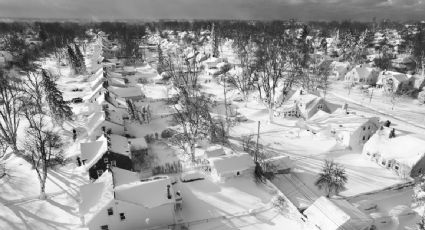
215	9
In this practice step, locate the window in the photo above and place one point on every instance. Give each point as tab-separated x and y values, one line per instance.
104	227
114	163
364	128
122	216
368	127
110	212
99	172
105	160
364	138
396	167
320	106
383	162
368	153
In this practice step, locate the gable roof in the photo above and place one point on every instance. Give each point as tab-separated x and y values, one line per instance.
214	151
149	194
339	121
336	214
119	144
95	196
122	176
138	143
93	151
405	149
97	119
127	92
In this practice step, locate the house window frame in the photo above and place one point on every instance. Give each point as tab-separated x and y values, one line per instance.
113	163
122	216
99	172
110	211
104	227
105	160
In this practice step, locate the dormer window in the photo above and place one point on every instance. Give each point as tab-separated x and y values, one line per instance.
105	160
114	163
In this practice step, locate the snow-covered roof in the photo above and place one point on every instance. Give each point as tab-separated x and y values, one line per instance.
339	121
122	176
231	163
336	214
149	194
98	79
214	151
95	196
93	151
400	77
98	118
405	149
127	92
119	144
138	143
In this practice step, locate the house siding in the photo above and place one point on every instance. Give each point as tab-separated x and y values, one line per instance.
122	162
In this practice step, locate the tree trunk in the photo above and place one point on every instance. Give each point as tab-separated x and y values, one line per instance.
192	152
271	112
42	190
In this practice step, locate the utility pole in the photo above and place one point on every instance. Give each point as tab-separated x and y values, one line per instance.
258	137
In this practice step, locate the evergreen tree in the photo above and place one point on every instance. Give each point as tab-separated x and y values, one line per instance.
162	66
80	58
332	178
73	59
59	108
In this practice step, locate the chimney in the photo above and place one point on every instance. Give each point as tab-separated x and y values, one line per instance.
168	192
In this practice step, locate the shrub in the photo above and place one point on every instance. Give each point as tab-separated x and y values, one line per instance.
167	133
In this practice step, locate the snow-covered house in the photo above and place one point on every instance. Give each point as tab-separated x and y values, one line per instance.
118	201
228	166
301	104
403	63
214	151
350	130
108	120
99	78
5	58
362	74
418	81
401	154
128	92
109	150
139	151
338	214
392	81
339	69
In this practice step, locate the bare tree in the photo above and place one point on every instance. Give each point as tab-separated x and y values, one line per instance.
245	49
279	67
192	108
10	108
42	145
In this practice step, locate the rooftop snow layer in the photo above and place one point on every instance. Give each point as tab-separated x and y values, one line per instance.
214	151
149	194
231	163
138	143
336	214
406	149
